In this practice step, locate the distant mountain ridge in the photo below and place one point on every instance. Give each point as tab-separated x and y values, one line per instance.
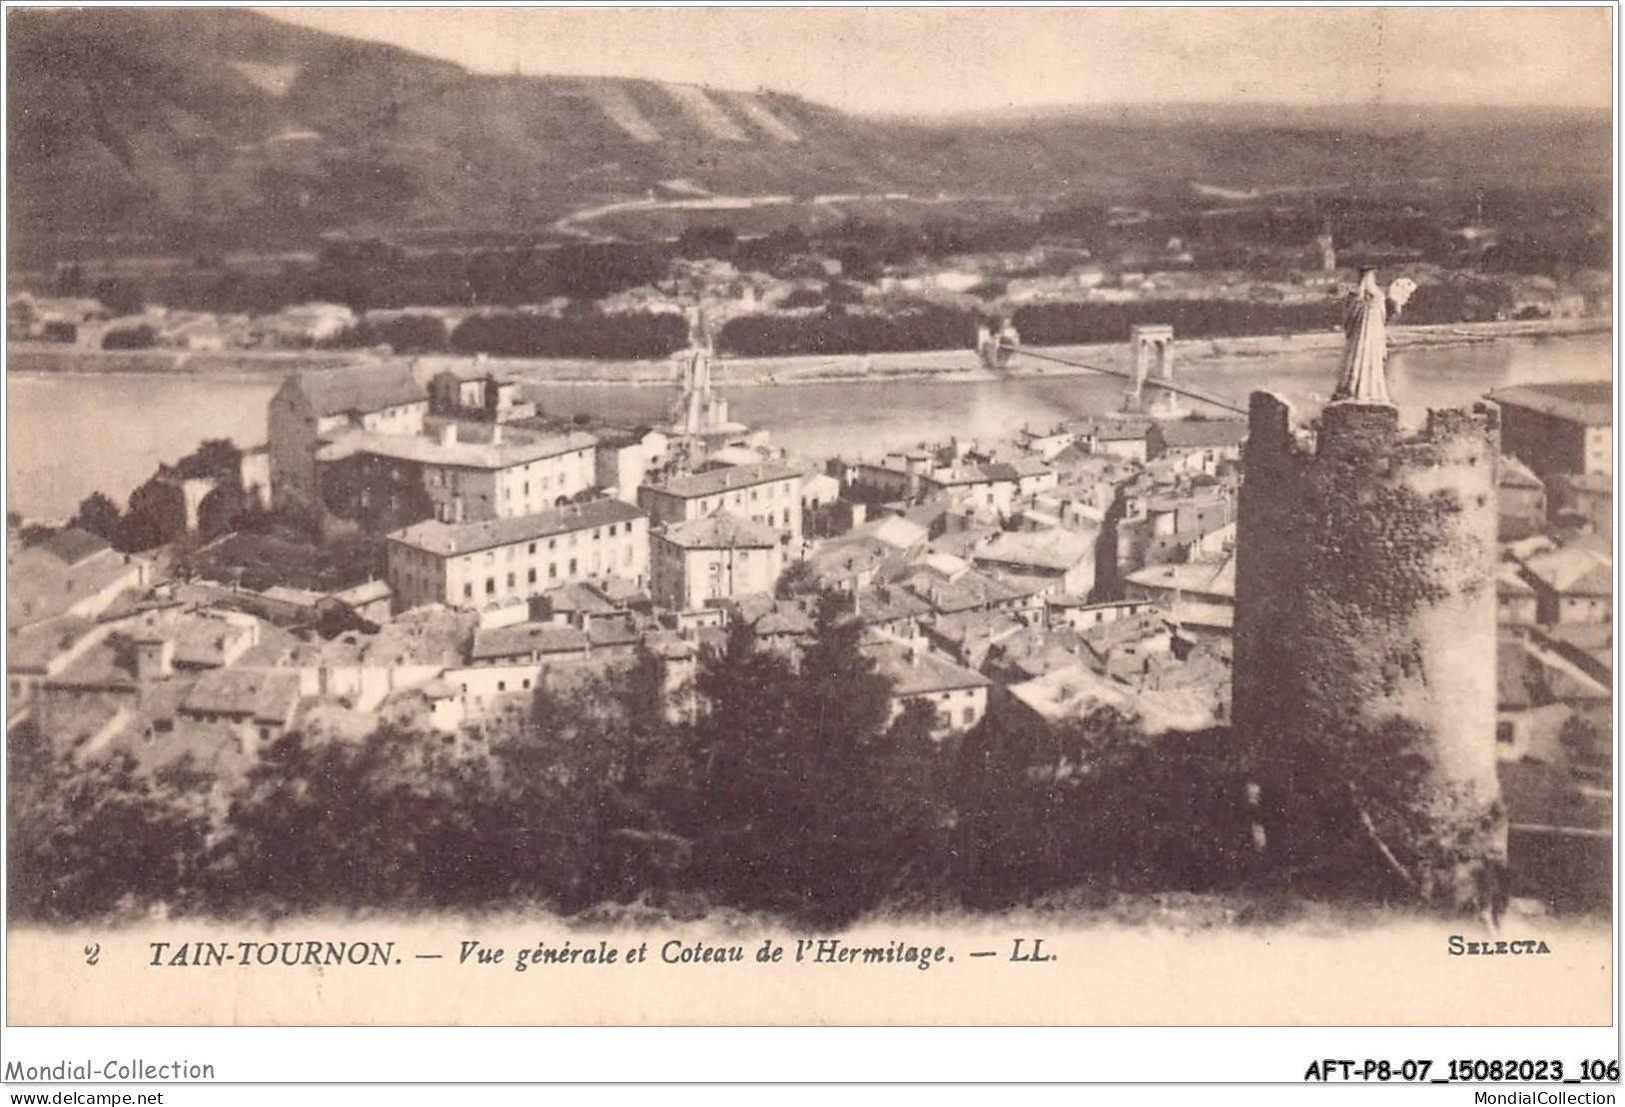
191	126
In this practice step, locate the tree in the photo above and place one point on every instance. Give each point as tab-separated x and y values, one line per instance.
88	839
399	819
120	295
798	579
788	767
139	337
99	515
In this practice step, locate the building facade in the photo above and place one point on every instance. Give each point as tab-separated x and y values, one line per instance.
702	562
766	494
312	408
464	474
1559	428
506	561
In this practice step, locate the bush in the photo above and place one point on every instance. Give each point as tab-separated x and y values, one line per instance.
584	334
140	337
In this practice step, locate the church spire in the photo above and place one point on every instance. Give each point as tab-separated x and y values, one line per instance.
1365	350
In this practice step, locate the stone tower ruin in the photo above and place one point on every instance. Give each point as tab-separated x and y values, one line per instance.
1365	636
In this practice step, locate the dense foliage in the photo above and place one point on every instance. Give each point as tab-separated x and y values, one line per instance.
793	792
917	327
156	514
587	333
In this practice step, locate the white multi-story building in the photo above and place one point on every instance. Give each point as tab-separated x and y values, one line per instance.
504	561
765	493
715	558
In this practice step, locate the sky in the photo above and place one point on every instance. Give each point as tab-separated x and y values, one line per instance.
917	60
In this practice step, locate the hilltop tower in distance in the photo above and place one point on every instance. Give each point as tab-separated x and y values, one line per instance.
1365	636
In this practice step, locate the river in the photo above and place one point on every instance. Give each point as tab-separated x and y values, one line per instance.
69	434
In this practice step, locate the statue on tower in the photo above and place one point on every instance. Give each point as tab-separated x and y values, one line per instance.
1363	377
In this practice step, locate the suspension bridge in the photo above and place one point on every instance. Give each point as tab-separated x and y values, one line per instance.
1166	384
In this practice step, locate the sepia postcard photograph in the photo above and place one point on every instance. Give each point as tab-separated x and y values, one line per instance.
816	516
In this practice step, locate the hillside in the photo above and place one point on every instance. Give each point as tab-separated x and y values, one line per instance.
155	130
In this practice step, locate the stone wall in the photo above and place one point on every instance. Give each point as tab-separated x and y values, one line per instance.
1365	641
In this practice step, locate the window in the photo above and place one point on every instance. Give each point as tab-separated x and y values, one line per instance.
502	686
969	716
468	590
553	571
510	580
612	530
533	547
490	586
531	578
572	566
1503	733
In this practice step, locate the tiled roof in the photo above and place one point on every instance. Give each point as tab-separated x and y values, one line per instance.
204	642
1204	433
525	639
300	597
33	648
1214	578
424	450
612	632
71	545
721	531
1588	402
916	671
1057	549
360	388
367	592
578	599
885	603
971	590
39	586
1111	430
726	480
1573	570
452	539
1509	583
968	625
268	694
1029	467
996	473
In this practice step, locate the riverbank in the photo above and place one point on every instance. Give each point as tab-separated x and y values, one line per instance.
953	364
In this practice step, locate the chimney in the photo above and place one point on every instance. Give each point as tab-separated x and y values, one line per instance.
496	434
154	658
